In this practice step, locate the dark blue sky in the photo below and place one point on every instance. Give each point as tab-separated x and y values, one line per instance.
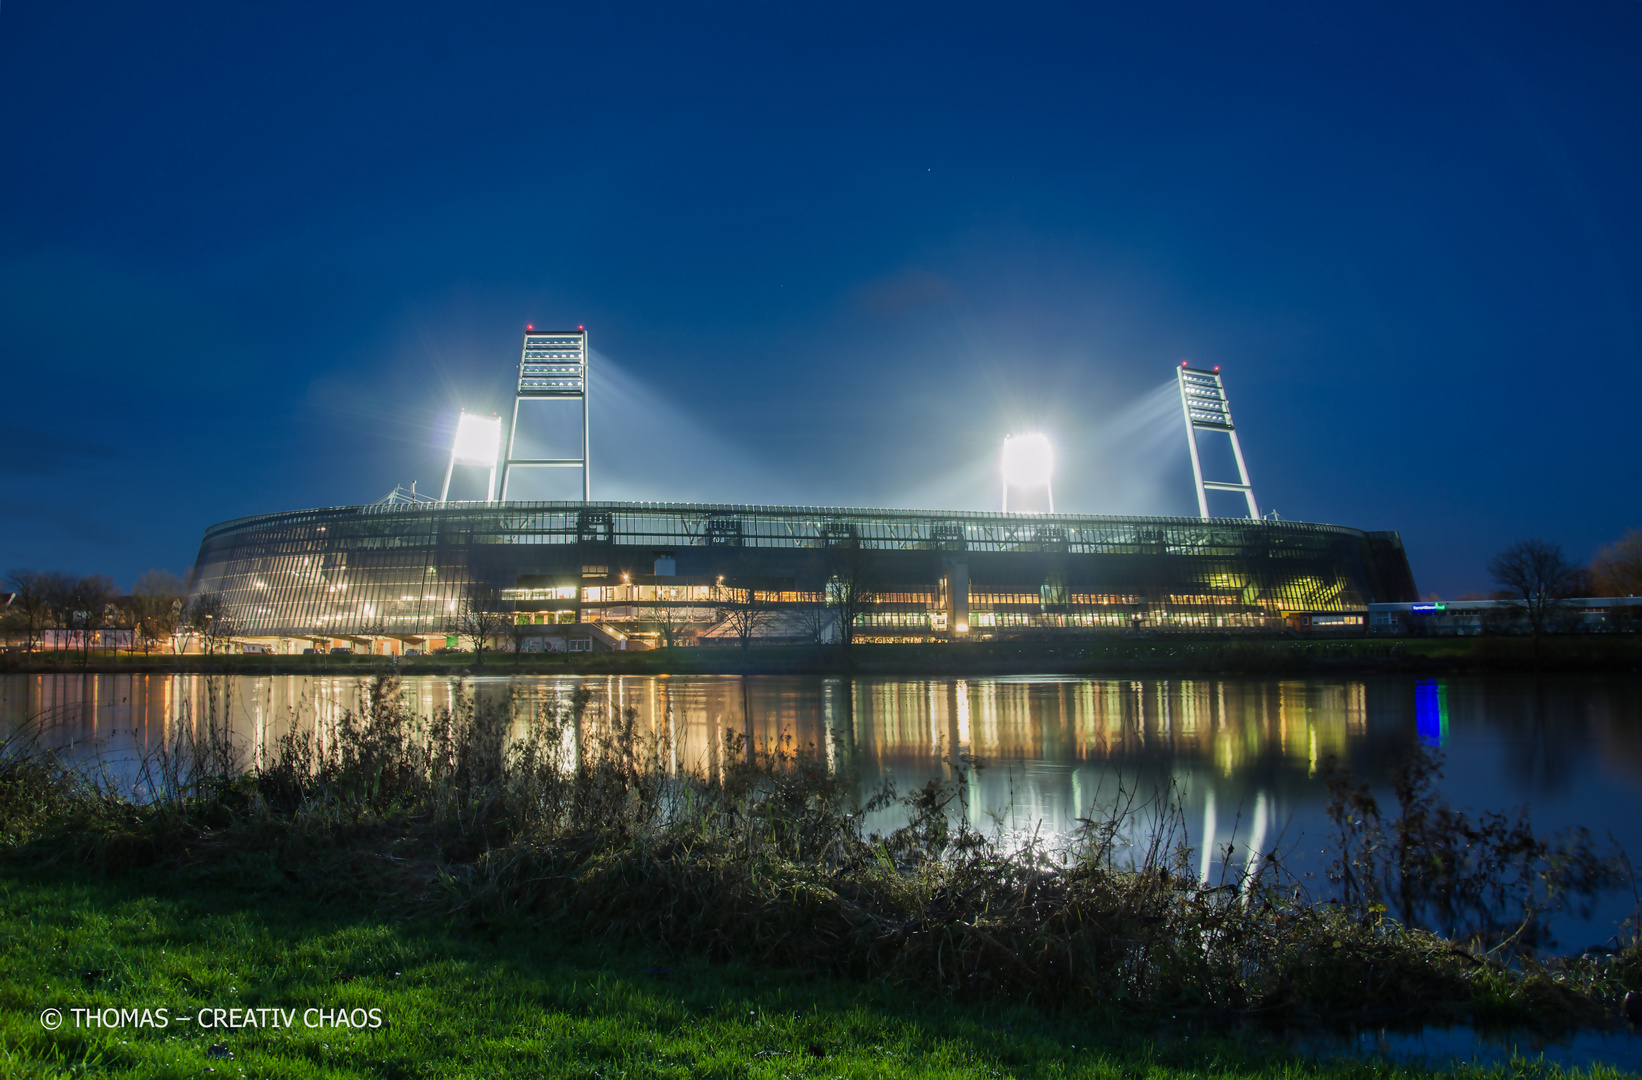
256	256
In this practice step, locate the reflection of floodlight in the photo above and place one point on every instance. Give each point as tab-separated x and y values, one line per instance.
478	442
1028	462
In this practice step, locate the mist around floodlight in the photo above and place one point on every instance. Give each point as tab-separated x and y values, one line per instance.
650	445
478	442
1110	458
1028	465
651	442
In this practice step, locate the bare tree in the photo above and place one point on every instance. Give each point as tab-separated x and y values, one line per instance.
480	615
518	632
853	584
11	618
170	624
1617	568
210	616
814	617
671	624
86	608
60	599
742	607
33	601
156	603
1536	578
373	624
128	618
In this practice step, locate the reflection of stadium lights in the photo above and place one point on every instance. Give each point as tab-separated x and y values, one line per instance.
1028	462
478	442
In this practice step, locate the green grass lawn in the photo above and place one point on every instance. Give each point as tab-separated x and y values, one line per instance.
499	1002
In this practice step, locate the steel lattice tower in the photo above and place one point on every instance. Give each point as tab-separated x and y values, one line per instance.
1203	400
553	364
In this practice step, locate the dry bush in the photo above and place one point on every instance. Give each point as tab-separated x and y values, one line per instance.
1490	881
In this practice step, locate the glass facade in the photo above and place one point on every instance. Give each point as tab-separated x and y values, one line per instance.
400	570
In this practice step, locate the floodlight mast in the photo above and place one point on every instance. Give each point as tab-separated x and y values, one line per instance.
553	364
1203	401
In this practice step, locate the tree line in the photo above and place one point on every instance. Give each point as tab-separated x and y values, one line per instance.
157	610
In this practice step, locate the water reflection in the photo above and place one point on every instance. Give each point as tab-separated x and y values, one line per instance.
1242	758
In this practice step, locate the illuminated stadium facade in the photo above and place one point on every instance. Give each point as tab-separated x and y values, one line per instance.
392	576
398	575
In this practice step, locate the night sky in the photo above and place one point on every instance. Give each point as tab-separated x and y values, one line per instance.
256	257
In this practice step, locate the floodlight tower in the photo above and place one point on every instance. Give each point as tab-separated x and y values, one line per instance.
1203	400
478	442
553	364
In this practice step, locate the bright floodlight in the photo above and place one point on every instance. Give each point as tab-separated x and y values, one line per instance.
478	442
1028	462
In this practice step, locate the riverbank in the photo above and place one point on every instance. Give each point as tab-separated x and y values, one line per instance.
1104	656
508	998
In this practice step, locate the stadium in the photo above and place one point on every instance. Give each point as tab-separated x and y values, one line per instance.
397	576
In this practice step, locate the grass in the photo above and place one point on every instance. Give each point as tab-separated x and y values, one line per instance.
515	999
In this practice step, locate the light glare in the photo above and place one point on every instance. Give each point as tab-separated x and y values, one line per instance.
1028	460
478	440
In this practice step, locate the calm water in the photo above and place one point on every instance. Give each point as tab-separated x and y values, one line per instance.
1244	756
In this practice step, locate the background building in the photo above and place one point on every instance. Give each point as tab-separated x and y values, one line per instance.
1464	618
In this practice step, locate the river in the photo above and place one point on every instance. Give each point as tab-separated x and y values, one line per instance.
1241	759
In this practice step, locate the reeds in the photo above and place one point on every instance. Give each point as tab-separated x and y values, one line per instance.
580	817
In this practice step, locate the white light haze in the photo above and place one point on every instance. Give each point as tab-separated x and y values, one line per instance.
1028	463
478	440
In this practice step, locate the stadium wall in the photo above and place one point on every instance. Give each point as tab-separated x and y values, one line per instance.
400	571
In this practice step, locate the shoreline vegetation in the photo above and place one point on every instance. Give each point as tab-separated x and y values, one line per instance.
580	821
1174	654
524	999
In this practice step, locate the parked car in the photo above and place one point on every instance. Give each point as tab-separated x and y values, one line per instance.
341	652
310	652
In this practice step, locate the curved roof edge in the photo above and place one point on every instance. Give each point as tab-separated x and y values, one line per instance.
747	509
